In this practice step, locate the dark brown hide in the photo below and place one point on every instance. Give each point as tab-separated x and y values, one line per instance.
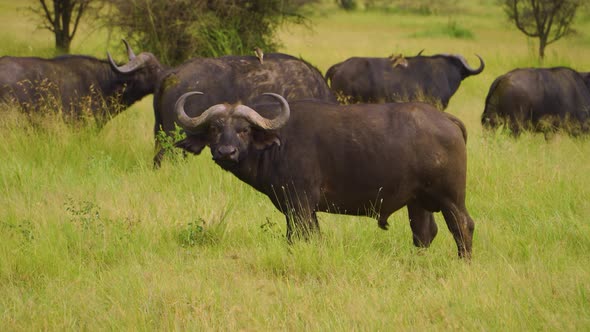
432	79
230	79
539	99
357	159
74	84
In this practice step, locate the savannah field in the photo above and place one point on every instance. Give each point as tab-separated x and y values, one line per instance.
92	238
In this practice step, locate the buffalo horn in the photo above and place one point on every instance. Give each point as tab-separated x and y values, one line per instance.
189	123
267	124
464	63
130	53
471	70
135	62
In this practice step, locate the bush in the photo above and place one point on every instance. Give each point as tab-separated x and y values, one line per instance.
178	30
418	7
347	4
451	30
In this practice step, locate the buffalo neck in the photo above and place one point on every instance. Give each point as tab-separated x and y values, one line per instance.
258	168
130	87
113	84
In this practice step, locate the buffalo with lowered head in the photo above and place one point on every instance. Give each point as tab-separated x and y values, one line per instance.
361	159
539	99
74	84
231	79
432	79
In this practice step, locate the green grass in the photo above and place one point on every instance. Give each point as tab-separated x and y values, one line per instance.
91	238
452	29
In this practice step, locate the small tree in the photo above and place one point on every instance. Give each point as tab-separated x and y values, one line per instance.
548	20
61	17
178	30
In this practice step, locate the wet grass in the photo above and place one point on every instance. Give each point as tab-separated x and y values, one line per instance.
92	238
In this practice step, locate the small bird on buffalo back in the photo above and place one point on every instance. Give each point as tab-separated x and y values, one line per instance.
259	54
398	60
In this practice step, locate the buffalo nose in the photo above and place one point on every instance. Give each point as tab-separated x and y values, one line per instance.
227	151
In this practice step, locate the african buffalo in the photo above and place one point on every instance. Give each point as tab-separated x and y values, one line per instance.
432	79
539	99
231	79
76	84
361	159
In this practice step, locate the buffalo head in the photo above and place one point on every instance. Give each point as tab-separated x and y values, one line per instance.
586	77
468	70
140	73
143	60
231	131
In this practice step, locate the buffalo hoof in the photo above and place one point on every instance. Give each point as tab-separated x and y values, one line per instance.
384	225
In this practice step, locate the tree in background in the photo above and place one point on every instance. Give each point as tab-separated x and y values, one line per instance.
422	7
62	18
178	30
347	4
548	20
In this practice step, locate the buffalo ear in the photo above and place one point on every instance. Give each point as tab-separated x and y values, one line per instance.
193	143
264	138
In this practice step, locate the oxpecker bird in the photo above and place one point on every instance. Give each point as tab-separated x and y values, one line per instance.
259	54
398	60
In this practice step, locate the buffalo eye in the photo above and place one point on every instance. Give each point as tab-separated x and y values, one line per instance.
243	131
214	130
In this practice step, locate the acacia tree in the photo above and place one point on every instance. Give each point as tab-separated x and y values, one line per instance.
62	18
547	20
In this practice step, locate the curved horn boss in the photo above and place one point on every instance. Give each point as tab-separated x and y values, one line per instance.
268	124
243	111
471	70
130	53
135	62
192	124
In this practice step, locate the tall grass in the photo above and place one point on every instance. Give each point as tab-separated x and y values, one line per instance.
452	29
92	238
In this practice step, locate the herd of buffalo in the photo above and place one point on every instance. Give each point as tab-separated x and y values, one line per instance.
367	139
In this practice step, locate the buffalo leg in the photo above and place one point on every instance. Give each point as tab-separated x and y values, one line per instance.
158	158
514	129
299	209
314	222
385	213
382	222
424	228
461	226
160	154
289	228
158	145
302	226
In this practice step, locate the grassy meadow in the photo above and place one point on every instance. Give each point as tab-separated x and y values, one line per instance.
92	238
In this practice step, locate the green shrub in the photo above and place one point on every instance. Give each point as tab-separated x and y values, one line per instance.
179	30
451	30
200	232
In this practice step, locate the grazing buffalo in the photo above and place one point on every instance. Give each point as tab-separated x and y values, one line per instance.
75	85
433	79
539	99
231	79
361	159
